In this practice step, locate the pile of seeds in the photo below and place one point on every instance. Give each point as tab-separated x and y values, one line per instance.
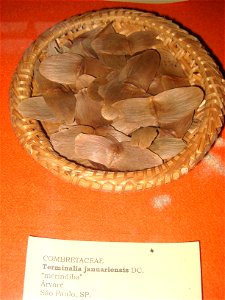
113	102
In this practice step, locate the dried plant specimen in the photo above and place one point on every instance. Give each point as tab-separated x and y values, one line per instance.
143	137
111	101
64	141
114	155
167	147
88	111
64	68
36	108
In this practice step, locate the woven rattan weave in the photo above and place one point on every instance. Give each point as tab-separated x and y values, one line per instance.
198	65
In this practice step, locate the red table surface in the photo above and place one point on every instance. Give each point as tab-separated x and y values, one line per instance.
35	202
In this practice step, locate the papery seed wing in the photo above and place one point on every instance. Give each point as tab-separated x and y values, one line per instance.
40	84
143	137
36	108
133	158
125	126
64	141
112	43
94	148
96	68
93	89
62	104
178	128
53	48
142	40
162	83
116	90
141	69
88	111
167	147
107	131
116	62
169	64
83	81
137	110
172	105
64	68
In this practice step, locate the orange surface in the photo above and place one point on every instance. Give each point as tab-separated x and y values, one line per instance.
35	202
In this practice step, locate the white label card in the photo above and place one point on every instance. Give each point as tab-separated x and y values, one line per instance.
64	269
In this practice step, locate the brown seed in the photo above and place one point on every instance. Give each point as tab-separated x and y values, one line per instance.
141	69
169	64
61	103
115	156
116	62
133	158
112	43
64	68
143	137
96	68
83	81
88	111
109	131
36	108
93	88
137	110
162	83
142	40
167	147
173	105
95	148
178	128
64	141
116	90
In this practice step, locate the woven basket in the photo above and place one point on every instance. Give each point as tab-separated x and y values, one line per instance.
196	62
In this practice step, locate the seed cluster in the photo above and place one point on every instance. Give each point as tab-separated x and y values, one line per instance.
113	102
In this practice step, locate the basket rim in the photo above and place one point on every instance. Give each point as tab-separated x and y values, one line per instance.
27	130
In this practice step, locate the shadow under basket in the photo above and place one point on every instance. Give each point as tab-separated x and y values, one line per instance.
198	65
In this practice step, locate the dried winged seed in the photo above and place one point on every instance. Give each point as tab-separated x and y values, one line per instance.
131	158
169	64
142	40
107	131
50	127
95	148
109	113
62	104
106	30
84	81
36	108
143	137
113	61
40	84
141	69
93	88
64	141
115	156
137	110
64	68
115	90
88	111
82	44
162	83
53	48
94	67
112	75
112	43
124	126
167	147
178	128
173	105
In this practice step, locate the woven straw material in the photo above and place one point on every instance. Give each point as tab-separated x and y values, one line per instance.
199	66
